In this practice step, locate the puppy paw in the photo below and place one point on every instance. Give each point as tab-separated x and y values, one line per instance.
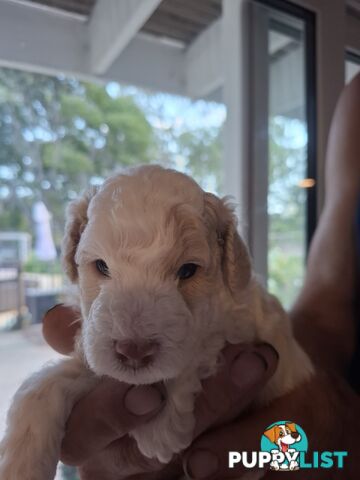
36	420
168	434
19	457
17	461
23	469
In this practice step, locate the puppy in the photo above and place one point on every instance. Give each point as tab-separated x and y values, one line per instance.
284	436
163	281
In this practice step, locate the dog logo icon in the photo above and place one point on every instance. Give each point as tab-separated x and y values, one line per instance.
284	440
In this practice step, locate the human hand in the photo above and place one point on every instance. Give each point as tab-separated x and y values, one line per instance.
326	408
323	407
96	438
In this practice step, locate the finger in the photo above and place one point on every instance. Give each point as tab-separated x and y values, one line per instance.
120	460
313	405
106	414
60	325
244	372
208	456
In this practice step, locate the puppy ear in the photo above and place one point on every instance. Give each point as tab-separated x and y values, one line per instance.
76	220
271	434
236	264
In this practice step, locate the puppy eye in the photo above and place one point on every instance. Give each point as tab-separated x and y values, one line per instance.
281	434
102	267
187	271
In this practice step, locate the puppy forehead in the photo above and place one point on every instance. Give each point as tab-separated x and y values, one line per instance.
146	189
152	206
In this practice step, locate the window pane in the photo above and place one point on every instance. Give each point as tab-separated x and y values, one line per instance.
287	156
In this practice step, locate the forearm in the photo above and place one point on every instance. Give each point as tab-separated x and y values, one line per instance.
323	315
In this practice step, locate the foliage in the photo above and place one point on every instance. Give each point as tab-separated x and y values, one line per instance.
286	275
57	134
286	208
201	150
34	265
286	201
13	218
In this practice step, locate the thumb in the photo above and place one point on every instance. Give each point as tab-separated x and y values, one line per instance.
60	326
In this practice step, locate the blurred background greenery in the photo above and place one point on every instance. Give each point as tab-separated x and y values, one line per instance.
58	135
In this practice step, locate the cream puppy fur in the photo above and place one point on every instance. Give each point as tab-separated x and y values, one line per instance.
159	269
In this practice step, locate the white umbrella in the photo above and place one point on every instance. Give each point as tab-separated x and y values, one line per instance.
44	243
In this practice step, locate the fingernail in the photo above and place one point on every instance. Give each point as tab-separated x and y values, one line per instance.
52	308
248	369
262	346
201	464
142	400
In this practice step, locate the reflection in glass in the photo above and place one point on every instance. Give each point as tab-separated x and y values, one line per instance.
287	158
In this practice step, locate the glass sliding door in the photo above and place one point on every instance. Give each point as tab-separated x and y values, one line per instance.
288	151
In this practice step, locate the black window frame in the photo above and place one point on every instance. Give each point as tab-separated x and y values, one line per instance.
310	23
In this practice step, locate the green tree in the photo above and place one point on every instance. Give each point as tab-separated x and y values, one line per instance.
188	135
202	151
287	166
57	135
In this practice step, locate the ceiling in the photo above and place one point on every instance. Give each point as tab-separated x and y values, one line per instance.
82	7
179	20
182	20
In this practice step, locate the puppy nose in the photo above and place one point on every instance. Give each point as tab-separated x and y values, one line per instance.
136	354
295	435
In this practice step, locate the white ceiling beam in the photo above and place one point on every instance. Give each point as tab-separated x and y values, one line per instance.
203	59
150	63
113	25
43	42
